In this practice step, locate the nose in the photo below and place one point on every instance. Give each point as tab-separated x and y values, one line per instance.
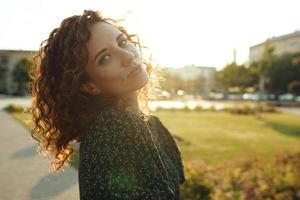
127	57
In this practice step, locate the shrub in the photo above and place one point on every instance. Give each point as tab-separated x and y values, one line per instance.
14	108
244	178
212	108
198	108
242	111
186	109
247	110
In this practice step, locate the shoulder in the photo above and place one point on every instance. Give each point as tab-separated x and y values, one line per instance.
118	123
108	123
156	121
110	116
109	129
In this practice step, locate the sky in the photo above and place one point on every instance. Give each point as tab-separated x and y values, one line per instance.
176	32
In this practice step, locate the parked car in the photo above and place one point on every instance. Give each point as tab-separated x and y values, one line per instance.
286	97
255	96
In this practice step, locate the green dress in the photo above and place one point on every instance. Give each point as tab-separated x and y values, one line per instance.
124	157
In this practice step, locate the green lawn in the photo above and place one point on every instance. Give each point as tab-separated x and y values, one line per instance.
23	118
215	136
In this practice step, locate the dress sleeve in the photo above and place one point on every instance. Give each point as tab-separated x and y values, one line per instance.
114	165
172	149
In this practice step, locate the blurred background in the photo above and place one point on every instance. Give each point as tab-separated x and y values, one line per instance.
230	95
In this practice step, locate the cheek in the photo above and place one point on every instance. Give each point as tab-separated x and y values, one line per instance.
109	75
110	79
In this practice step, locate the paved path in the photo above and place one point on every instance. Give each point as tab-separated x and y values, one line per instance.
294	111
24	173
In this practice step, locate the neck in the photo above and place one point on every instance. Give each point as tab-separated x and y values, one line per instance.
130	102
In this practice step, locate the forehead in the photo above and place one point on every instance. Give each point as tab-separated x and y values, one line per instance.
102	35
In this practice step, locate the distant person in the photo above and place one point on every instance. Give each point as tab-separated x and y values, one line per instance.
91	85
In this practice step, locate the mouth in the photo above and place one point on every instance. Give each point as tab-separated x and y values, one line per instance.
136	70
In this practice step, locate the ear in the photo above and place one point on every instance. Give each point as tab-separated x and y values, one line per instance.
90	88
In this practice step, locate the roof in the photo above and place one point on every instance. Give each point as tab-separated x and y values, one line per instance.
282	37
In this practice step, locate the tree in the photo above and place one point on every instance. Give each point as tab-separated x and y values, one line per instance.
3	74
263	66
172	82
294	87
284	74
234	75
197	85
20	76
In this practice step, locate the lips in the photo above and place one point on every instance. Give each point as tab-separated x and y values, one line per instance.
135	70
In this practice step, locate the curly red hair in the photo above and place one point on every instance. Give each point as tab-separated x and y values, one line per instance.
61	111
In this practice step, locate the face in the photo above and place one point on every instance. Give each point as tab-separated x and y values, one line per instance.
114	64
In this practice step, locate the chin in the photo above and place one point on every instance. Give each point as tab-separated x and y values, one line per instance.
144	79
141	82
135	84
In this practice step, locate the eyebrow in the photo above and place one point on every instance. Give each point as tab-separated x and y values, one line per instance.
103	50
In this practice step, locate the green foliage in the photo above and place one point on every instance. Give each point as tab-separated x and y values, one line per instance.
248	110
21	77
74	160
198	108
3	75
267	58
294	87
212	108
233	75
244	178
14	108
281	73
172	82
186	109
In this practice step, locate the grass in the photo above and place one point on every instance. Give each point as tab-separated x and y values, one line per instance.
23	118
217	136
213	137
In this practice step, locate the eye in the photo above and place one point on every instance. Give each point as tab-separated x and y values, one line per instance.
105	59
123	42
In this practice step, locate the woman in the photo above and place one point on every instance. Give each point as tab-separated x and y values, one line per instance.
91	85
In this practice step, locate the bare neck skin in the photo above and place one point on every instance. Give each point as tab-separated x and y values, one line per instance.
130	102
